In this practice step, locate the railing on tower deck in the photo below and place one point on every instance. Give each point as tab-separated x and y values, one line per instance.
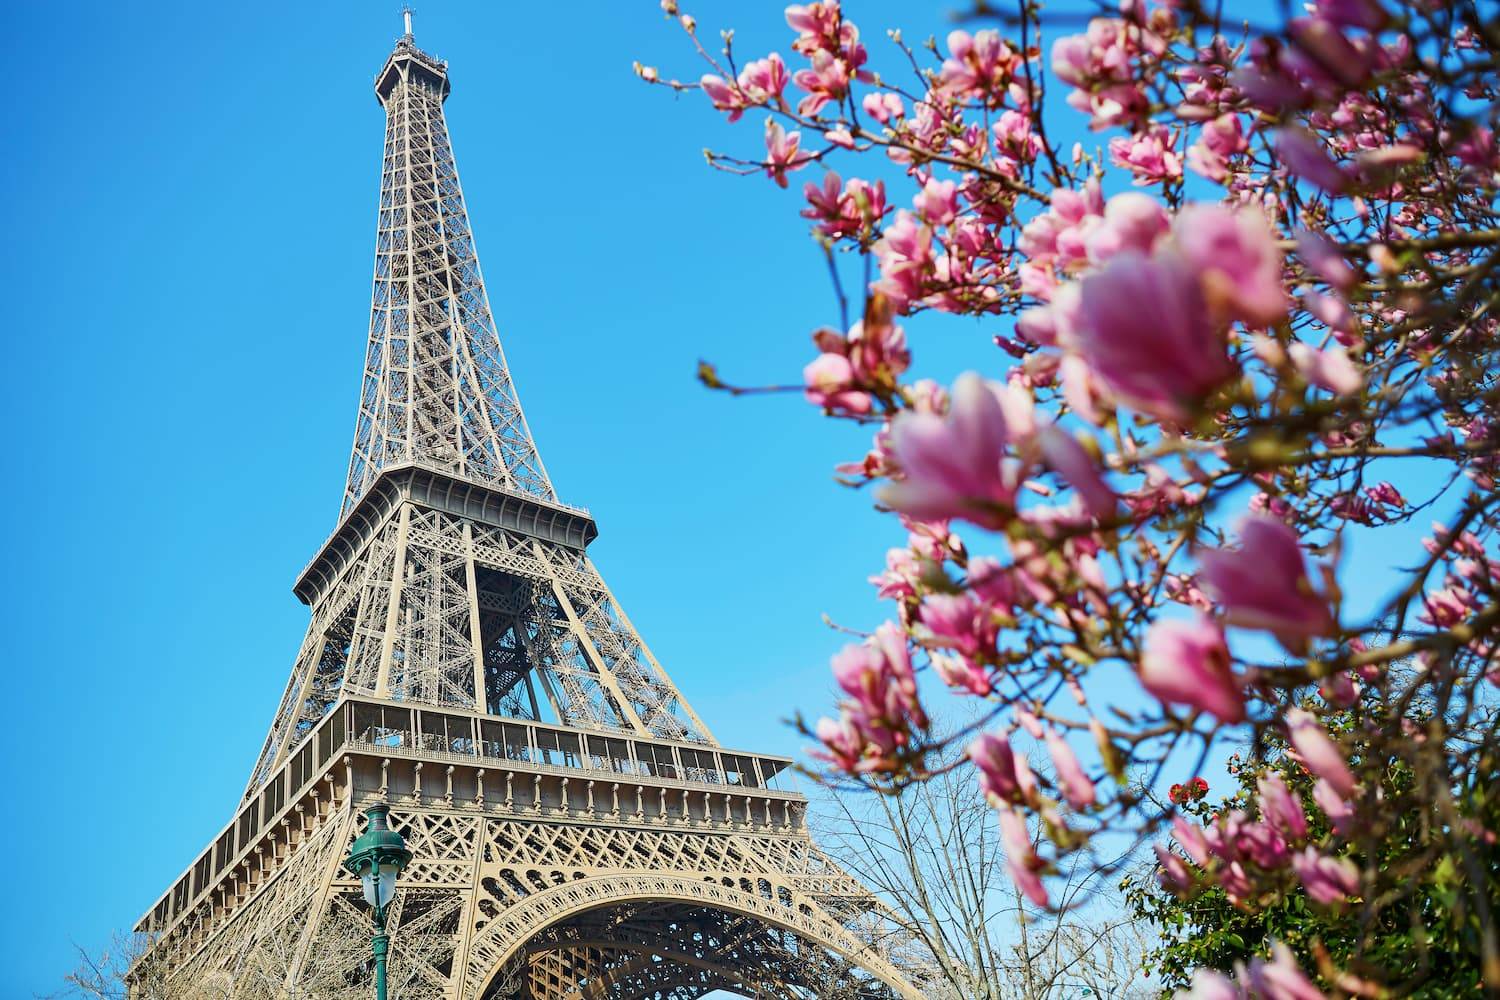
404	729
388	725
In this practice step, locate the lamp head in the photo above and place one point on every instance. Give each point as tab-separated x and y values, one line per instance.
378	856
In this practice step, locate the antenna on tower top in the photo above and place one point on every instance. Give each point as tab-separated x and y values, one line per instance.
406	17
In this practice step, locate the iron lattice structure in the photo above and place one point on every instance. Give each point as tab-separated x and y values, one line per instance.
576	829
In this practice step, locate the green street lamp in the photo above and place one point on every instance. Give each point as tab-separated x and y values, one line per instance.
377	857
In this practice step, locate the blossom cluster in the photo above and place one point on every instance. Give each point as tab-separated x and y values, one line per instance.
1215	343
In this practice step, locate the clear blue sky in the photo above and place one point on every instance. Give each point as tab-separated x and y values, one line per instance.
192	191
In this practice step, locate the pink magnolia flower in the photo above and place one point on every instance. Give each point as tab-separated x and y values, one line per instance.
1059	236
875	353
782	155
1338	810
1174	874
1307	157
1333	312
763	80
959	622
1322	255
840	137
980	63
992	582
1281	807
1143	327
883	706
1014	136
996	763
884	106
1466	544
1073	207
899	579
1280	978
813	21
824	199
1264	584
826	80
1328	369
829	381
1039	325
1132	221
1319	753
1367	14
877	349
1322	52
957	465
1207	984
1235	882
937	202
1192	839
1025	780
1187	663
862	672
1277	507
906	260
1204	161
1076	786
1151	155
822	28
1222	138
845	210
1029	722
1267	87
1447	607
1476	148
1063	454
1238	262
724	95
1098	64
1079	390
1339	689
1071	56
1327	880
963	674
1262	844
1021	859
842	742
1379	165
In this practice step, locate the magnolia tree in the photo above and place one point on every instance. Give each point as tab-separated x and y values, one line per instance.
1241	346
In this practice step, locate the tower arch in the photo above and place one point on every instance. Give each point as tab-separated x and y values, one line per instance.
558	919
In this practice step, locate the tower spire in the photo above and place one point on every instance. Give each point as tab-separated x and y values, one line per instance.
406	17
436	391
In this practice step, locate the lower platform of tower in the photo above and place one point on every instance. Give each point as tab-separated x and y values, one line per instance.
529	879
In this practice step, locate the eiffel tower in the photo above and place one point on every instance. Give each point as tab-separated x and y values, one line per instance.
577	831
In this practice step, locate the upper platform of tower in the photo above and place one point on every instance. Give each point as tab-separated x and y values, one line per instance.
407	62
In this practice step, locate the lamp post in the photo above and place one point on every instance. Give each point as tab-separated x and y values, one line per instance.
377	857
